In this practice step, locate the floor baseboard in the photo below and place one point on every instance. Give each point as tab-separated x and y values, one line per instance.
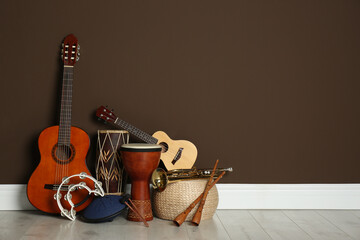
13	197
289	196
241	196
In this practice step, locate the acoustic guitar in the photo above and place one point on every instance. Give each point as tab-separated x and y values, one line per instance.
176	154
63	148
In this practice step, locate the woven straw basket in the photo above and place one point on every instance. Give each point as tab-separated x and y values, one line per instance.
179	195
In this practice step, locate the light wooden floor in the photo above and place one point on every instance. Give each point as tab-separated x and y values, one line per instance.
226	224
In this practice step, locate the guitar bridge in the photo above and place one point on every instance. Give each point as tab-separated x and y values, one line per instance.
55	187
177	156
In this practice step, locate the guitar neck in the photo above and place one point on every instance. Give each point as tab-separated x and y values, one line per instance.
135	131
65	108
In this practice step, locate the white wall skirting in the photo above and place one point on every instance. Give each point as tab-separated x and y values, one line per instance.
13	197
289	196
242	196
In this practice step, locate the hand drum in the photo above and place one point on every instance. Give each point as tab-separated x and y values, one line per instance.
109	166
140	160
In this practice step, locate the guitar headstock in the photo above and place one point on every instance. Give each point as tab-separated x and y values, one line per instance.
105	114
70	50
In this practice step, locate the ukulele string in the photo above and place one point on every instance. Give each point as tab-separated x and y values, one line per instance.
176	154
144	136
150	139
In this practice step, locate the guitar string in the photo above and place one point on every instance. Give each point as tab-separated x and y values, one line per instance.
61	132
63	150
68	132
68	126
58	151
70	114
66	145
63	127
69	103
64	124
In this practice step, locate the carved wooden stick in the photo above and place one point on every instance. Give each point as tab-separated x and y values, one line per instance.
197	216
182	216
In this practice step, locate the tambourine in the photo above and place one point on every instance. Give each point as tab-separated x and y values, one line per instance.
71	214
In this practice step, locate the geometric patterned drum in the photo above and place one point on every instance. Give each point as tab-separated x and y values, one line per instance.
109	167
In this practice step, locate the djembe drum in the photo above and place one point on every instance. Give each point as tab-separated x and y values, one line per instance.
109	167
140	160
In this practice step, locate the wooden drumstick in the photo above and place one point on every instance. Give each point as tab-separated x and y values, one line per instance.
136	211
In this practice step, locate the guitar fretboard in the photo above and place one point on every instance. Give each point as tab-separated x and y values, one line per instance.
65	108
135	131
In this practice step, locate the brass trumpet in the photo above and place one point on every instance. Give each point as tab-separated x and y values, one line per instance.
160	178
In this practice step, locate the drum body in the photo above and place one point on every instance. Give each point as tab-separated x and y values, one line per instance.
140	160
109	167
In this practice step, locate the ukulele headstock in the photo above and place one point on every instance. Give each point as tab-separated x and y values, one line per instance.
70	50
106	114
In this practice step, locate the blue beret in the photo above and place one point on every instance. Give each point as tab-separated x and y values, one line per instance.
103	209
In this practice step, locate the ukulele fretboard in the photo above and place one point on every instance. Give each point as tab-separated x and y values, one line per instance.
135	131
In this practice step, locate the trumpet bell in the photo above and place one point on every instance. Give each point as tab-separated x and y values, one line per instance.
159	179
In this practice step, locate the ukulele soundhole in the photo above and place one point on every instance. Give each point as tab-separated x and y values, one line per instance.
62	153
164	147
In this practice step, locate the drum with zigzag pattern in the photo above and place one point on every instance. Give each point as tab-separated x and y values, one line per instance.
109	167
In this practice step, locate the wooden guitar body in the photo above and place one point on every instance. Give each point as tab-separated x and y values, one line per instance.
51	170
176	154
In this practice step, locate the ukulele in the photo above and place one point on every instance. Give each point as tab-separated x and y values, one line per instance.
175	154
63	148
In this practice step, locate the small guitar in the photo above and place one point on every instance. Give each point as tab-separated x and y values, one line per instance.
62	148
176	154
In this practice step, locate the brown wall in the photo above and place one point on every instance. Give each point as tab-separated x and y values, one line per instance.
270	88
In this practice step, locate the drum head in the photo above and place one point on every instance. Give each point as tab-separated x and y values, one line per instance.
140	147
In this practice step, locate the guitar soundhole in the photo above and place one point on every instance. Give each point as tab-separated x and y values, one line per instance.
63	153
164	146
